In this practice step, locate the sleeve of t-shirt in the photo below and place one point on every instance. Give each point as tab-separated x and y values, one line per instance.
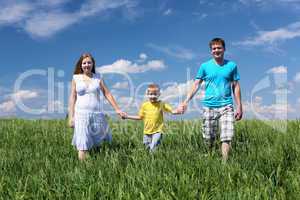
200	74
142	110
235	74
167	107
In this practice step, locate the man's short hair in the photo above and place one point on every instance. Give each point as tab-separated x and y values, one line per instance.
217	41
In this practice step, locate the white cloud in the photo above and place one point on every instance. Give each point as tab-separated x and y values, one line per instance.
168	12
297	77
282	91
271	111
199	15
268	3
155	65
52	3
121	85
176	90
55	106
272	37
51	23
127	66
47	17
14	13
278	70
177	52
8	107
126	103
24	94
143	56
175	93
93	7
276	109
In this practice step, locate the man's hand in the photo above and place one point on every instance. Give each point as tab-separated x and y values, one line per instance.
182	108
239	113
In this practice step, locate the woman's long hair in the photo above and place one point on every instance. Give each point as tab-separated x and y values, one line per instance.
78	69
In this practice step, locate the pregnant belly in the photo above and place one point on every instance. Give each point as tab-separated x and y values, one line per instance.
87	104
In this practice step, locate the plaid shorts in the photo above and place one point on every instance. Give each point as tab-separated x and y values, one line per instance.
213	117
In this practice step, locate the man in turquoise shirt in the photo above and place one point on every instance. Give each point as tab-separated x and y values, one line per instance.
220	77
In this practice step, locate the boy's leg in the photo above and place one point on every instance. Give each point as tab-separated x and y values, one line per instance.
156	137
209	128
227	130
147	140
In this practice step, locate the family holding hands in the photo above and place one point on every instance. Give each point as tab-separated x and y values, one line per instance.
219	75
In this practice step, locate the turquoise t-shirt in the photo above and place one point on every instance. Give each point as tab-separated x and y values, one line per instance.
218	79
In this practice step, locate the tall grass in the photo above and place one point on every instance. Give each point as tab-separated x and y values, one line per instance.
37	161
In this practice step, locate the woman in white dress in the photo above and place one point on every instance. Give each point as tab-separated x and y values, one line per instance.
85	116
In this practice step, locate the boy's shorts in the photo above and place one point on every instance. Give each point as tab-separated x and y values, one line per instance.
151	141
213	117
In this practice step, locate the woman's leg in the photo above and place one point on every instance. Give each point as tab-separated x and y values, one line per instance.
82	154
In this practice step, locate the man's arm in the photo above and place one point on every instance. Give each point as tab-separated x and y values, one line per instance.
191	94
238	100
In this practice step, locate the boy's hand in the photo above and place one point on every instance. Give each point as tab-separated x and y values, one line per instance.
122	114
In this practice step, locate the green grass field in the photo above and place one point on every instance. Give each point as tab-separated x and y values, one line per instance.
37	161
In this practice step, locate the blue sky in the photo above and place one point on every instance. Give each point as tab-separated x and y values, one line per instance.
135	42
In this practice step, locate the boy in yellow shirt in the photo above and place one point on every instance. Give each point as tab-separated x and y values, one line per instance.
151	112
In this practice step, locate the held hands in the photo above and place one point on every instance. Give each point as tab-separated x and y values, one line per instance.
182	108
122	115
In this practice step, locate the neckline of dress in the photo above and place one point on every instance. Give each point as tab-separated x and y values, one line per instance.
88	84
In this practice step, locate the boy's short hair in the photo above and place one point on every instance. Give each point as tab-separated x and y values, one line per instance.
217	41
153	86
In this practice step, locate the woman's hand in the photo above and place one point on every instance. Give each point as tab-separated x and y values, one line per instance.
71	122
121	114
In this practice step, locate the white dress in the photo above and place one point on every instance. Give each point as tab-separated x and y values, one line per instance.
90	125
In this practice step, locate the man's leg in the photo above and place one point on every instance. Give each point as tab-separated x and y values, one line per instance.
209	128
225	148
227	130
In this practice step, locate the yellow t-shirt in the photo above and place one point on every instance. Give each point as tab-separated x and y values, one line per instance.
152	114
